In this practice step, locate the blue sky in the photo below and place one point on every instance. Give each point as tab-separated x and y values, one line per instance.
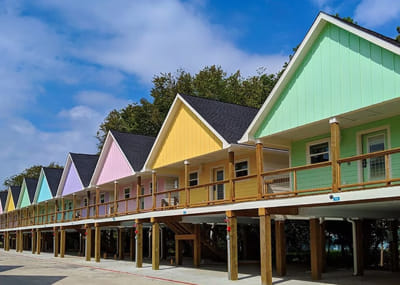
66	64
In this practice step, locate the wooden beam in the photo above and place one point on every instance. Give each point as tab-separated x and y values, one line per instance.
232	248
97	201
62	242
186	184
47	212
315	249
185	237
115	197
359	247
97	243
138	189
17	240
178	252
155	247
259	169
197	246
231	174
120	244
74	207
139	244
88	204
55	241
88	245
62	209
38	241
154	191
33	240
280	247
335	154
131	244
323	246
265	247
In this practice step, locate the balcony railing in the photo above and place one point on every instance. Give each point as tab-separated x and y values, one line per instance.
366	171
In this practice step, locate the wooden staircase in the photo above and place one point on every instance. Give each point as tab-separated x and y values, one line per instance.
187	229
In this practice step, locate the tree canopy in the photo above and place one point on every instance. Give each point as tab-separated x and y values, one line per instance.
146	118
31	172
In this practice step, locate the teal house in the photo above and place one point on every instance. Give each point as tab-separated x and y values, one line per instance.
27	194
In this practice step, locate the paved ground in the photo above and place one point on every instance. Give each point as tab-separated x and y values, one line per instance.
44	269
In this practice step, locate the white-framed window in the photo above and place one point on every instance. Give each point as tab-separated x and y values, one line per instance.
241	168
318	151
193	178
102	198
127	193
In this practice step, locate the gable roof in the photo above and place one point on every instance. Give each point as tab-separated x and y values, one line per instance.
321	20
3	198
225	120
229	120
53	176
85	165
135	147
15	191
31	184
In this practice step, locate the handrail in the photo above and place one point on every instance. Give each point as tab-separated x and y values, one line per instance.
369	155
297	168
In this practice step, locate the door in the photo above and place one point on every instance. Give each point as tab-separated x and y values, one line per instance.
218	190
374	168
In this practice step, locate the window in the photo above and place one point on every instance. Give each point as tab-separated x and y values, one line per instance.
318	152
142	199
241	168
85	202
102	198
70	205
193	179
127	193
151	187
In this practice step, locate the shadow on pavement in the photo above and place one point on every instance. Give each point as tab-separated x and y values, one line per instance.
8	267
35	280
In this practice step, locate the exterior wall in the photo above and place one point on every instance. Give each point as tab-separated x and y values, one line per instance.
11	205
340	73
44	191
72	182
348	147
187	137
115	166
25	202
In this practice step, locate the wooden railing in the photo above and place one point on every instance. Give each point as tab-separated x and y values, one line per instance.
282	183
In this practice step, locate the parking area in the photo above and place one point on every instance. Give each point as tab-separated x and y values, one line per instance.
44	269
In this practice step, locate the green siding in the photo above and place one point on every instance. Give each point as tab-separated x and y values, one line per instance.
348	147
25	197
341	73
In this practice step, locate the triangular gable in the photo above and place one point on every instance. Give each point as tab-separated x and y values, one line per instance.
184	134
70	180
330	74
10	206
112	164
3	200
43	192
23	199
12	198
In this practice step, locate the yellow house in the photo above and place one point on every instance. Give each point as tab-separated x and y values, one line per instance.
12	198
197	147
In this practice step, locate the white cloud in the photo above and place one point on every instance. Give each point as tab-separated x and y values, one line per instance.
374	13
100	100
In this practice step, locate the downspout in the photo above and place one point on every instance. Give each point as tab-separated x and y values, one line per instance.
355	253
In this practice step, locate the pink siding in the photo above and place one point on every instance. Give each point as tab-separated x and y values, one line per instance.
115	166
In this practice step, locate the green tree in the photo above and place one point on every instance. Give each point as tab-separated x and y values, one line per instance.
398	36
31	172
211	82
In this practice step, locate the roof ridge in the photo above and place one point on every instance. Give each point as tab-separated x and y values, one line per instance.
216	100
127	133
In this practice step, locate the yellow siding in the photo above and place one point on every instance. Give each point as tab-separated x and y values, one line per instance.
243	188
187	137
10	205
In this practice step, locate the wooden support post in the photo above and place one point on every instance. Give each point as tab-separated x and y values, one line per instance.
131	244
323	246
115	198
186	183
120	244
55	210
97	201
335	154
178	252
232	246
88	243
154	190
97	242
17	241
62	242
315	249
197	246
6	241
62	210
394	245
260	169
56	243
138	189
358	248
33	240
139	244
155	245
231	174
46	210
280	247
88	204
265	247
38	241
74	207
